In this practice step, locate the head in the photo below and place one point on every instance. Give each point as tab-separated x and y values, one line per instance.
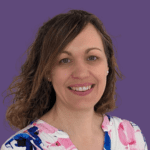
82	61
75	32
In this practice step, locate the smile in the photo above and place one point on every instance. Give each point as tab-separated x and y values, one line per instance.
85	88
82	93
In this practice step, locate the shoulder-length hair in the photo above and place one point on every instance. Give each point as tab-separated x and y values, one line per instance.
34	95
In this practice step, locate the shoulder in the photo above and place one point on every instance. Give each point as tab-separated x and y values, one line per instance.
126	132
38	135
23	139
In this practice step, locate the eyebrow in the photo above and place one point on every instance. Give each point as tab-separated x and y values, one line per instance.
87	50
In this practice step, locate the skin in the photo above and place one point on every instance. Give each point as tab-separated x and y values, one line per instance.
72	113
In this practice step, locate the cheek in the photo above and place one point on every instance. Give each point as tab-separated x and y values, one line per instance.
59	76
100	71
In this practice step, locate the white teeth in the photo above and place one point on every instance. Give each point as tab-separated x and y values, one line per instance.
81	88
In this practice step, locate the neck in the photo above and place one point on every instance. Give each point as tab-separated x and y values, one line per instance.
83	123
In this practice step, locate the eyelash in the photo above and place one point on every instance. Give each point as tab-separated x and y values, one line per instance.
88	57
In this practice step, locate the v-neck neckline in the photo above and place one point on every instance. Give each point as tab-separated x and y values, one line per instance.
62	134
103	126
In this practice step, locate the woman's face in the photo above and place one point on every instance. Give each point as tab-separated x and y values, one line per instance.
79	68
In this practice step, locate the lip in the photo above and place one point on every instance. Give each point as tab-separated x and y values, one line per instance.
80	85
79	93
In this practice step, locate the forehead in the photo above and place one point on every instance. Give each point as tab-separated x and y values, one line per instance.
89	38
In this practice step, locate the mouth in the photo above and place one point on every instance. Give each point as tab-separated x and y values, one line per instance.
91	87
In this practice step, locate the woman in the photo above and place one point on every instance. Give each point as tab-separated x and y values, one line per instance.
67	86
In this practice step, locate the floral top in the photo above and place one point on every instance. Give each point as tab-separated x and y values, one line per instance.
120	134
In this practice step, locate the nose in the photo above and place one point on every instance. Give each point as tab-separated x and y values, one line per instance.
80	71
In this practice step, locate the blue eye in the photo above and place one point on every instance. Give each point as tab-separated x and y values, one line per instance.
63	60
93	57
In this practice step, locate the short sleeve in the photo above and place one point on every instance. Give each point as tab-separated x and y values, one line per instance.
3	147
139	137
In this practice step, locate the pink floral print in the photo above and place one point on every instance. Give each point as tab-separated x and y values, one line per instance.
120	134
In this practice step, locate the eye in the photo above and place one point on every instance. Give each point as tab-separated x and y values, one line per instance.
65	59
93	57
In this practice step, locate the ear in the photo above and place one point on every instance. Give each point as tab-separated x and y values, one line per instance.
49	79
48	76
107	70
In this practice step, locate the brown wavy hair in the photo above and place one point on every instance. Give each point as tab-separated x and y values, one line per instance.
34	95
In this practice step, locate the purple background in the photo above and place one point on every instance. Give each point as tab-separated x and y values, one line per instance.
127	22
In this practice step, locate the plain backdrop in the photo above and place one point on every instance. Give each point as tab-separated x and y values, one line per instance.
127	23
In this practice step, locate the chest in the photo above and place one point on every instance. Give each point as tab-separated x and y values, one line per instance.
96	143
96	146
